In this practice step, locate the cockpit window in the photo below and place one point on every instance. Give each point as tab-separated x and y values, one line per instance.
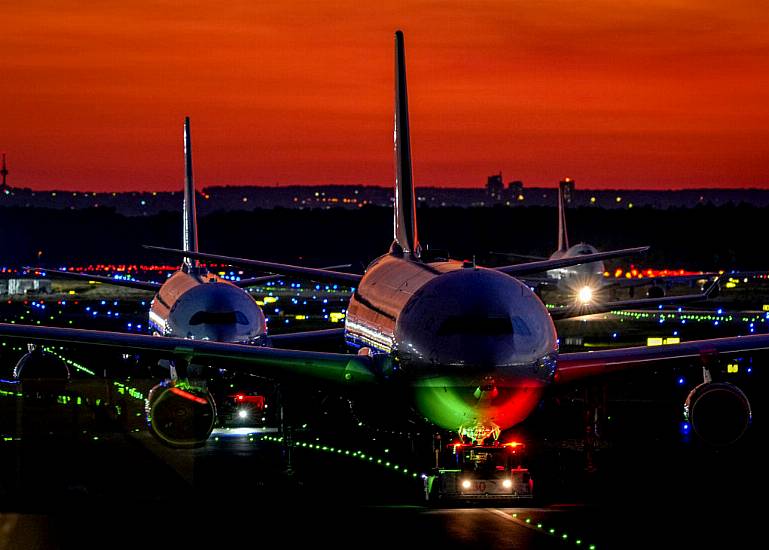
477	326
218	318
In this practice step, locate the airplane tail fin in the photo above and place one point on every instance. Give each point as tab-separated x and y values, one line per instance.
190	229
564	188
405	218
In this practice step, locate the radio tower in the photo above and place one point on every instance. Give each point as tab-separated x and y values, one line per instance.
4	173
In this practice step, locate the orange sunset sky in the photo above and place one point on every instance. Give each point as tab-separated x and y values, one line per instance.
613	93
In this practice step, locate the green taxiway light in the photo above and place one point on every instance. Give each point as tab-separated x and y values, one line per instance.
578	541
539	526
528	520
552	531
515	515
564	536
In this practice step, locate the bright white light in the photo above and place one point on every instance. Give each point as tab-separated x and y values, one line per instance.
507	484
242	413
466	484
585	295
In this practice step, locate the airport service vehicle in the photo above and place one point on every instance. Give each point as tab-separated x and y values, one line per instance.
481	472
245	408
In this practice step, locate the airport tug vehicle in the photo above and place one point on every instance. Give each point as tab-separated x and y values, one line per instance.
477	471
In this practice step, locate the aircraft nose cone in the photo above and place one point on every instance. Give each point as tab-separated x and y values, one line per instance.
217	311
476	319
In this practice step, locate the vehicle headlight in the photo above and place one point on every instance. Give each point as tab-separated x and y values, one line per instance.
242	413
507	484
466	484
585	295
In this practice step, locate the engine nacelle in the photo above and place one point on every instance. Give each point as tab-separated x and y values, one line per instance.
718	412
41	365
181	417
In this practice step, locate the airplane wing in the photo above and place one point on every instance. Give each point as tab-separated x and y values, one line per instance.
579	310
294	339
586	364
546	265
279	364
129	283
286	269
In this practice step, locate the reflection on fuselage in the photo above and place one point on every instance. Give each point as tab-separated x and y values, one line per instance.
476	346
202	306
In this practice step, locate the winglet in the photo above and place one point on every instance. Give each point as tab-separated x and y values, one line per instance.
190	235
405	215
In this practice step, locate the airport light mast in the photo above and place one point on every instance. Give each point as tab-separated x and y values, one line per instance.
4	173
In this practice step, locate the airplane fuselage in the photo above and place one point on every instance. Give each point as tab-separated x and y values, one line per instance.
476	347
200	305
581	275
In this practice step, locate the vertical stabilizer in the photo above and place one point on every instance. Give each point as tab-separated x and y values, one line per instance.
405	219
564	187
190	235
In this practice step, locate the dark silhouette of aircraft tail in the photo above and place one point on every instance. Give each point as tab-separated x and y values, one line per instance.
190	229
405	219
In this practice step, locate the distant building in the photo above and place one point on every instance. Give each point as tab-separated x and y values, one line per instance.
25	286
495	187
515	191
4	174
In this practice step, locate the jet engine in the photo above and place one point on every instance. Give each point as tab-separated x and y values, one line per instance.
718	412
181	416
40	365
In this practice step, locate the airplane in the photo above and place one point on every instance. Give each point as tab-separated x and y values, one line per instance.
194	302
470	349
584	281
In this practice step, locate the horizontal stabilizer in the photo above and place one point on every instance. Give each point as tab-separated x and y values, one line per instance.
258	281
316	274
128	283
518	256
546	265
